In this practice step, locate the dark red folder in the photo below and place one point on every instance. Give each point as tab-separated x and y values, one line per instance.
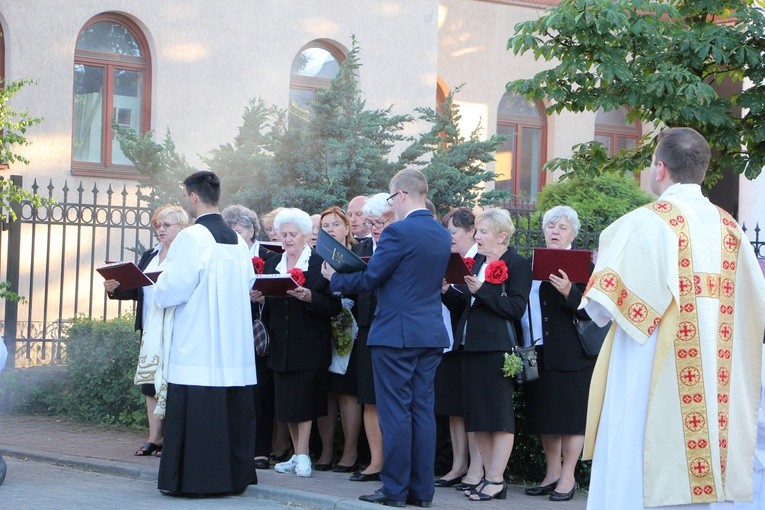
127	273
457	270
575	263
274	284
276	247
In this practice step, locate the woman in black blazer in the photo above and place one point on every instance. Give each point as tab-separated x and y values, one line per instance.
299	329
489	317
167	221
556	404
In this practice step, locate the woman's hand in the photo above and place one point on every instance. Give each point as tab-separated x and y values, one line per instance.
111	285
301	293
561	284
444	286
473	283
257	297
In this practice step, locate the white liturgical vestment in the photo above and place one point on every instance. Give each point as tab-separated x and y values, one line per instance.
672	416
208	283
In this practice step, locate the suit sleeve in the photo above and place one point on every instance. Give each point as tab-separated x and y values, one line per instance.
381	266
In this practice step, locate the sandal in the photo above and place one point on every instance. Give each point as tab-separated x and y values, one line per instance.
480	495
148	449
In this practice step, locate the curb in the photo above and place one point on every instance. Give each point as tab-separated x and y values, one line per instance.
282	495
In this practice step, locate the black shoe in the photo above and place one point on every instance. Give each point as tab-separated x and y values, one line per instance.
541	490
148	449
462	486
563	496
422	503
322	467
381	499
286	454
449	483
358	476
482	496
339	468
262	463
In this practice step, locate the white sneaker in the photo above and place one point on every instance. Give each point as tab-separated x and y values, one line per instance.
303	467
288	466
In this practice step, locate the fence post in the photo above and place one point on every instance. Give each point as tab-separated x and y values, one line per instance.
12	272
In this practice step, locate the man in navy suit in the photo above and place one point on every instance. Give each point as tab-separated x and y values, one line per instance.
407	338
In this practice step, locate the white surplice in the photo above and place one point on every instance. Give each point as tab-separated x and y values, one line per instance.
208	283
639	457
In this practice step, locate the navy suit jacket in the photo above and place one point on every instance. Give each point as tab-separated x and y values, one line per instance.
406	271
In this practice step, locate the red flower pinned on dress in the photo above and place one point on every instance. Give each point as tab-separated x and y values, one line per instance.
297	274
258	264
469	262
496	272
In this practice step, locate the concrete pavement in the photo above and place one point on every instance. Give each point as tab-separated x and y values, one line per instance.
109	450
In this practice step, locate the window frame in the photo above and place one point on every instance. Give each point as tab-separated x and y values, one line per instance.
613	132
109	62
518	122
311	83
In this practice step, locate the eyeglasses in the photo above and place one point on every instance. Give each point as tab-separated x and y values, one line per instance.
372	223
390	198
166	225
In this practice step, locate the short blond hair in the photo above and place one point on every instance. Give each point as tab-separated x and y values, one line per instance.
499	221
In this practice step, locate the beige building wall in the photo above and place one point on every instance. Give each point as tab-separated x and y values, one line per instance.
210	58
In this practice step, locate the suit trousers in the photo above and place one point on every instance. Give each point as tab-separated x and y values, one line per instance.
404	391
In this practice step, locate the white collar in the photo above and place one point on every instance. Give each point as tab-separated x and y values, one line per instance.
302	261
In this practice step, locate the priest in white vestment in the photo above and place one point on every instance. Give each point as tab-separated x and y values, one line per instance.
673	408
210	416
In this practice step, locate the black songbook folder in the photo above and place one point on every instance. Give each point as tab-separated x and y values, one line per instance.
275	247
575	263
127	273
338	256
274	284
457	270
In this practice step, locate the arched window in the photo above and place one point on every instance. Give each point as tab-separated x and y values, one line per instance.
313	69
521	156
614	132
112	80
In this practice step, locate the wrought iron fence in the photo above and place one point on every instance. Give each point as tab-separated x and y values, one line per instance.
52	254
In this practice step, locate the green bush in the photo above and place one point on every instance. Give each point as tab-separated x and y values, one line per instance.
101	361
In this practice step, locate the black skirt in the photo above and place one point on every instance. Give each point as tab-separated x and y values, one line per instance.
487	395
300	396
365	383
556	403
448	385
208	441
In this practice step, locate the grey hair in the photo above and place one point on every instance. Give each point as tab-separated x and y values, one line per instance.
296	216
240	215
554	214
377	205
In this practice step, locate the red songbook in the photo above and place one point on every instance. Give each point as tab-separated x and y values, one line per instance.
457	270
575	263
127	273
153	275
274	284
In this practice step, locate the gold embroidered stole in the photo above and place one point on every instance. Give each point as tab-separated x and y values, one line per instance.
687	349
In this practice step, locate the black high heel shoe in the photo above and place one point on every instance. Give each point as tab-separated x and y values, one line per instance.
541	490
564	496
482	496
441	482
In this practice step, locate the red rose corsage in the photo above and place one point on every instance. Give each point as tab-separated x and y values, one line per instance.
496	272
469	262
297	274
258	264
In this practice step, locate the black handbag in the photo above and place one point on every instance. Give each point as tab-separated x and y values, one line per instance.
591	335
260	333
528	355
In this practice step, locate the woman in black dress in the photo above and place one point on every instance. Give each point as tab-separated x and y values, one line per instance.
299	329
556	404
490	313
